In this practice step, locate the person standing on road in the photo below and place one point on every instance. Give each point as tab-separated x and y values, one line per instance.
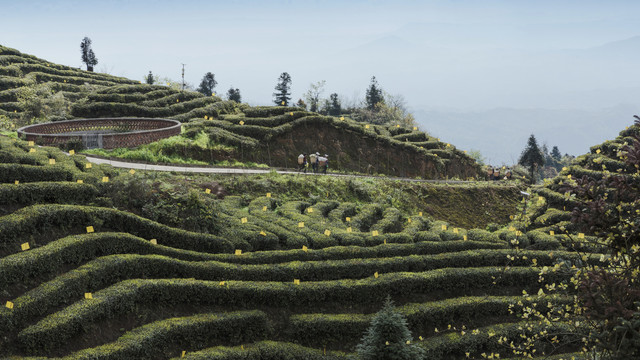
302	162
323	162
314	162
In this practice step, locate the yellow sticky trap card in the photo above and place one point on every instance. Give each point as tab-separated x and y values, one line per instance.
17	182
183	352
420	213
455	230
263	233
415	128
397	125
552	233
366	126
207	191
268	195
300	224
464	238
90	229
282	103
87	166
241	122
349	229
385	241
375	275
80	181
31	143
221	283
72	152
409	220
154	241
347	219
304	248
291	113
32	150
374	233
581	235
24	246
238	252
444	227
105	179
9	305
52	161
264	208
511	217
296	281
132	171
327	232
88	295
243	220
310	210
341	117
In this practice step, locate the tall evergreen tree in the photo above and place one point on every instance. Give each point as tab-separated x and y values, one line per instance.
150	79
334	105
532	157
207	84
374	94
88	57
281	96
555	153
234	94
388	338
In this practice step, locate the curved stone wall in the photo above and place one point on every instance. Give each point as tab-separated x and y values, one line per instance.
107	133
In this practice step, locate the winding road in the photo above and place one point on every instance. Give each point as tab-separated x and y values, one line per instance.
224	170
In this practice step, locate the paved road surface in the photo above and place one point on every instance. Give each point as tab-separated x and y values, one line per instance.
221	170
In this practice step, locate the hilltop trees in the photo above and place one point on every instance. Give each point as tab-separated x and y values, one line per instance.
335	107
374	95
207	84
532	157
234	94
88	57
312	96
388	337
150	79
281	96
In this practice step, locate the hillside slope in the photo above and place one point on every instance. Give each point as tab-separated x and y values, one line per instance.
34	89
284	270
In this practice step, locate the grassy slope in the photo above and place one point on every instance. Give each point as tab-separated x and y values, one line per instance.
430	267
265	135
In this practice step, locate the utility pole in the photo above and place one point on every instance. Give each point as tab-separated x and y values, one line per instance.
183	76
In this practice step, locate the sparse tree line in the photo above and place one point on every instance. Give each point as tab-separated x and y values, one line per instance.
378	106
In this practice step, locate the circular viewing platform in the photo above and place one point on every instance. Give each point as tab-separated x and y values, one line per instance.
106	133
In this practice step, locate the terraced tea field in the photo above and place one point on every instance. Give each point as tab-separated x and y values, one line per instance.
279	279
216	130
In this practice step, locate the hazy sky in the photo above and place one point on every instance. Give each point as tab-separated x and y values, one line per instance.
459	55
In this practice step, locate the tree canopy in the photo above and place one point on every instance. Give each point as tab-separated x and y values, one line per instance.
234	94
281	96
207	84
531	157
388	337
374	95
88	56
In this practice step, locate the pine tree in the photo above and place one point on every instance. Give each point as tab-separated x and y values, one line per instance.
555	153
88	57
374	94
532	157
388	337
281	97
150	79
207	84
234	95
334	107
